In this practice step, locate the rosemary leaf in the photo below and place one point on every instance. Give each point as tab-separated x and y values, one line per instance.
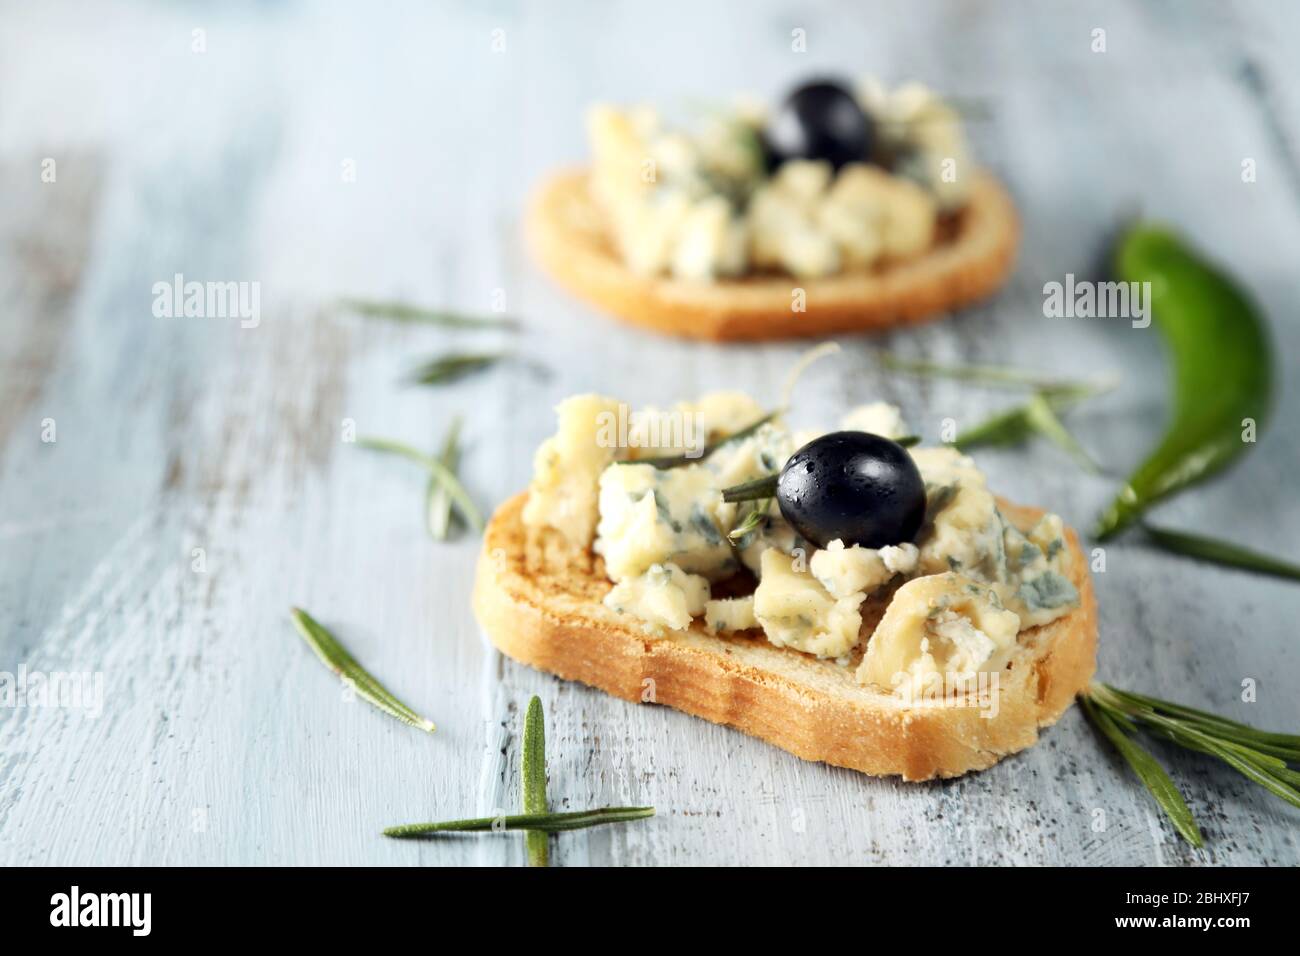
437	500
764	487
1043	419
1213	723
1258	755
533	778
1252	766
402	312
752	520
908	441
986	374
459	496
1005	428
546	822
336	657
1221	552
677	461
1147	769
453	367
1271	752
1038	415
1183	736
1288	775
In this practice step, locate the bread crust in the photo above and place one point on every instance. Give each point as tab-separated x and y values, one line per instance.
548	613
568	236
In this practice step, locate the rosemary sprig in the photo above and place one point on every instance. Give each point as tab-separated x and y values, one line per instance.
1221	724
677	461
1221	552
764	487
1260	756
403	312
336	657
535	819
437	500
1042	417
752	520
1005	428
533	778
1039	415
459	496
996	375
453	366
1150	772
545	822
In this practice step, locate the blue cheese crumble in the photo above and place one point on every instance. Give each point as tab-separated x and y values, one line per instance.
965	588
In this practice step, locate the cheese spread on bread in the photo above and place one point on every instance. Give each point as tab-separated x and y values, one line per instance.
939	624
702	201
955	598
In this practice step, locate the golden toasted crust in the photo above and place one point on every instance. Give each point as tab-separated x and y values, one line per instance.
568	236
547	612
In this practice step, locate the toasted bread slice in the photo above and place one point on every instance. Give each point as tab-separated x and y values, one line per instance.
543	607
971	260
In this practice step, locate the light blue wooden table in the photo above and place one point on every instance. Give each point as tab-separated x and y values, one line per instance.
198	483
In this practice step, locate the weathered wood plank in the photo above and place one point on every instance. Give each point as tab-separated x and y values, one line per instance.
223	741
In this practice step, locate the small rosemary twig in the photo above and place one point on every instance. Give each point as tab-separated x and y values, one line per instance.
336	657
533	779
545	822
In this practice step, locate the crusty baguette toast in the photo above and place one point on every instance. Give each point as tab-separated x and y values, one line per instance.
542	606
567	233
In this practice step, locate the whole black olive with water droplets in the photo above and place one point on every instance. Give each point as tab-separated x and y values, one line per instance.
854	486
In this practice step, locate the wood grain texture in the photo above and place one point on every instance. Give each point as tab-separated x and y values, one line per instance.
222	740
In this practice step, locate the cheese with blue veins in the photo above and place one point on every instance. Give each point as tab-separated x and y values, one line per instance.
567	468
650	516
796	611
844	572
730	614
664	596
663	533
938	624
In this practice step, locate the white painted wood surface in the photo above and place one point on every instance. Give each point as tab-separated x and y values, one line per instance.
223	741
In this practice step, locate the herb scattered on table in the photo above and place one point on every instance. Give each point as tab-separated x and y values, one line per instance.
454	366
1038	415
533	778
538	822
545	822
437	499
1221	552
445	318
439	472
1258	755
336	658
996	375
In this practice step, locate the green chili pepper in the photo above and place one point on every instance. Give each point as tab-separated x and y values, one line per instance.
1222	362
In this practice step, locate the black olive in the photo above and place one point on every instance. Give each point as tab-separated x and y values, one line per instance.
854	486
819	121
